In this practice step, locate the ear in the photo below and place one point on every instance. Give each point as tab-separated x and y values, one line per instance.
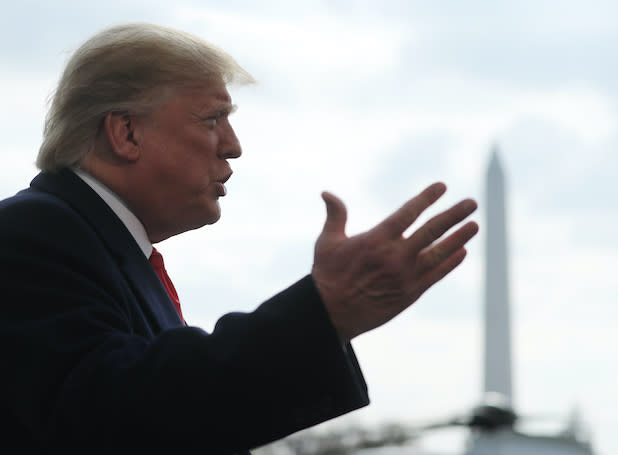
120	132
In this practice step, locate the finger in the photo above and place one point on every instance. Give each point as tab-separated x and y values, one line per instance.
336	214
435	228
400	220
434	255
434	275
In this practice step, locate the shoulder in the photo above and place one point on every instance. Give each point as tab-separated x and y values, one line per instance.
40	232
31	204
39	217
50	255
59	210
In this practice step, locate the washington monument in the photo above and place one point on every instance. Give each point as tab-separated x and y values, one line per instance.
497	311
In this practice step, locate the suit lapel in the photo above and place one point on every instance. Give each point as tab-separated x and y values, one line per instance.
146	286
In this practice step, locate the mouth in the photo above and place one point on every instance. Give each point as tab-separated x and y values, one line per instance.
226	178
220	185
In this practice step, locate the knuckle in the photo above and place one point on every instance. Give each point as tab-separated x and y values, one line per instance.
431	231
429	258
437	226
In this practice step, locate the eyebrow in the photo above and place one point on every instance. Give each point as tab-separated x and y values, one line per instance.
218	101
227	107
224	98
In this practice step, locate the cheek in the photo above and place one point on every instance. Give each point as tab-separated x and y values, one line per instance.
200	148
187	163
197	179
184	163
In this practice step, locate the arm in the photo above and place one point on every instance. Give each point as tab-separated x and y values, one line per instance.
77	370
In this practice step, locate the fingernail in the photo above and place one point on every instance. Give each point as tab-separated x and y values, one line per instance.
471	204
439	187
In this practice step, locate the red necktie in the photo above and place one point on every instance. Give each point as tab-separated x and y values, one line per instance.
157	263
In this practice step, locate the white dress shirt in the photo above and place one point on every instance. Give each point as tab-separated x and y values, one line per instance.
133	224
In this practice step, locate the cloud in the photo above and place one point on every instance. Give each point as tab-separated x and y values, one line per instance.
36	34
373	101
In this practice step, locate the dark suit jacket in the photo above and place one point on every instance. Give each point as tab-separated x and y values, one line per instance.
95	358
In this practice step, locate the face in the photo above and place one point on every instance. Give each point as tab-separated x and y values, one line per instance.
185	147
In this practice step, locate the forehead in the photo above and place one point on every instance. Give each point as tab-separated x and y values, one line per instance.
202	95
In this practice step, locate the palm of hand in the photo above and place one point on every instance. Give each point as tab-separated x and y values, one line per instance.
368	279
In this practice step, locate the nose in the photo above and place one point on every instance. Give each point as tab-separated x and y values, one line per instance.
229	146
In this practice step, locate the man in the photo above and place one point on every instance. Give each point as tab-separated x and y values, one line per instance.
97	357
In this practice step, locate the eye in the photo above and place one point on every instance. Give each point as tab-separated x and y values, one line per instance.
211	121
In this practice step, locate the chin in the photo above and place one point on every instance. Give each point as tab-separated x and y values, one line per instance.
209	214
205	217
213	215
200	224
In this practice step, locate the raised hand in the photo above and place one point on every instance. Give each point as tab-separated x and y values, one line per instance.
368	279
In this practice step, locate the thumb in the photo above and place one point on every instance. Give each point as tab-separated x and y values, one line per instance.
336	214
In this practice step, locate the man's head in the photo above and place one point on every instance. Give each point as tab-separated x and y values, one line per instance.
145	109
124	68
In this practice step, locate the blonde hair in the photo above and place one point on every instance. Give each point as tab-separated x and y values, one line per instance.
124	68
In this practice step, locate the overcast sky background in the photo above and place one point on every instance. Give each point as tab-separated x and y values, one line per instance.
373	101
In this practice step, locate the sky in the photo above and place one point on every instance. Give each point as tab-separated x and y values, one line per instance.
374	100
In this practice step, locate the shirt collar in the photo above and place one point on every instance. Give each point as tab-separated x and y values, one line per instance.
132	223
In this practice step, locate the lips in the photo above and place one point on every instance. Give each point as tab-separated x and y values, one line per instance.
225	179
220	185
